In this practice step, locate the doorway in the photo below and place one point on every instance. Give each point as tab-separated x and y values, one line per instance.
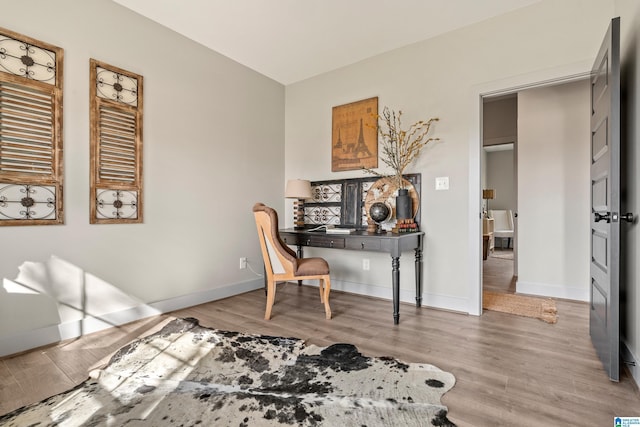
541	78
550	175
499	266
499	184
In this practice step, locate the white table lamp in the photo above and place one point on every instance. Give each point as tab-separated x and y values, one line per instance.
299	189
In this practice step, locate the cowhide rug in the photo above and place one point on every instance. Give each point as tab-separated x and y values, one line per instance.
189	375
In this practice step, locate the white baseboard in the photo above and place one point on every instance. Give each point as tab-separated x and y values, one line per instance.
553	291
631	361
428	300
190	300
51	334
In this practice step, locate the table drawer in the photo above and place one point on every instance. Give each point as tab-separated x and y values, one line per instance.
325	242
364	244
293	240
316	241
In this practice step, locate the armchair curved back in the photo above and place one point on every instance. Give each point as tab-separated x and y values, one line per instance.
281	263
278	257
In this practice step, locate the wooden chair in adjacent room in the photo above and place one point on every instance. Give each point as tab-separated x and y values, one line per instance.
281	263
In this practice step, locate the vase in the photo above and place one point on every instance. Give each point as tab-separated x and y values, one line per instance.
403	204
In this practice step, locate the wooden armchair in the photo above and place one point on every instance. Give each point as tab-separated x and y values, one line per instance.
281	263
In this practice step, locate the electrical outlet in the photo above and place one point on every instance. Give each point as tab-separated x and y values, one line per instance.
365	264
243	263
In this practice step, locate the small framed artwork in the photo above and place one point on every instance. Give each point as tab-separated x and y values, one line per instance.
354	140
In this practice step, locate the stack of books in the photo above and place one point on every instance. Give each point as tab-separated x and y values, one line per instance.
405	226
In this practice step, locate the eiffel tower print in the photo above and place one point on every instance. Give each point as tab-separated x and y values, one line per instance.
355	136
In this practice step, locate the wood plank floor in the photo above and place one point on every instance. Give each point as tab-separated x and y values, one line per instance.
497	272
510	370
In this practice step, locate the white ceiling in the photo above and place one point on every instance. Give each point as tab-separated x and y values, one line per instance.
291	40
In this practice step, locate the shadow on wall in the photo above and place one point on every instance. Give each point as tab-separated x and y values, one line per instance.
57	300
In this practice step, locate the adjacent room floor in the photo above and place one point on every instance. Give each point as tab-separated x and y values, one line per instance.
510	370
497	271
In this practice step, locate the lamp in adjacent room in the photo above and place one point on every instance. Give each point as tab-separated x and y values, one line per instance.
488	194
299	189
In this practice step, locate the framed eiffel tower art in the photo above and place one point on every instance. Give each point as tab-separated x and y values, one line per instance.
354	140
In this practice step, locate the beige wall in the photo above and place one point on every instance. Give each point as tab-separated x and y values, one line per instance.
501	176
553	188
500	120
443	77
213	145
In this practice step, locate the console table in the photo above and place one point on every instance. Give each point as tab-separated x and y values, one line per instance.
394	244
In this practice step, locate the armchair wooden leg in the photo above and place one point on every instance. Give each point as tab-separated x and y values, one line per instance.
327	288
321	288
271	296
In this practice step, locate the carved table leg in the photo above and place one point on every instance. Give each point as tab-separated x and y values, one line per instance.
395	279
418	268
300	255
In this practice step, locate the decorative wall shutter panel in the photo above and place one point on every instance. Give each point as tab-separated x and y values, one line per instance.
31	166
116	145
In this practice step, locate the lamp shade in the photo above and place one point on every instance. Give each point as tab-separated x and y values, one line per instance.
298	189
489	194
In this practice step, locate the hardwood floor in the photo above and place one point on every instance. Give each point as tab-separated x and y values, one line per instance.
497	272
509	370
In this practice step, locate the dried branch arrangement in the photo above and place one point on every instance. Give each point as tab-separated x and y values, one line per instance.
399	148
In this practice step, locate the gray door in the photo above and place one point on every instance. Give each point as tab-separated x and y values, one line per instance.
605	201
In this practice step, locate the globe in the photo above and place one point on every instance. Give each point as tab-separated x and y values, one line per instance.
379	212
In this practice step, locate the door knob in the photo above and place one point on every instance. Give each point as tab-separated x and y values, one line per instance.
627	217
600	217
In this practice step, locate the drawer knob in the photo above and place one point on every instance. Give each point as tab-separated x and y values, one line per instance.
362	244
308	242
331	244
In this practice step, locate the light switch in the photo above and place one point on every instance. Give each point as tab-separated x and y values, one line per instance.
442	183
